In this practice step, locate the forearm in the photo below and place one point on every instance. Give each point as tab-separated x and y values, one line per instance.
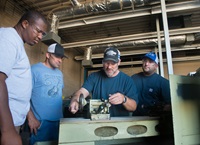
6	122
30	115
130	104
76	95
119	98
74	104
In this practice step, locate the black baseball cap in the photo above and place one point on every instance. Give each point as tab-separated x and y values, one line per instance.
57	49
112	54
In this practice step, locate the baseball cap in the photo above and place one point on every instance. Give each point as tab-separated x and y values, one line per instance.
152	56
57	49
112	54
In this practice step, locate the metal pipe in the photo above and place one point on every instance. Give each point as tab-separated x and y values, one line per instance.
96	7
75	3
54	24
159	48
166	34
147	42
88	53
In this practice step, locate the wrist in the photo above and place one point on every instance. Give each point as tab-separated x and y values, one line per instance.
125	100
75	100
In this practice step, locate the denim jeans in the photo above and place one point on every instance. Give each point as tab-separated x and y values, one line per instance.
48	131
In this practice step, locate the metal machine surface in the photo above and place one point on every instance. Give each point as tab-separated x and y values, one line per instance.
101	129
117	130
98	109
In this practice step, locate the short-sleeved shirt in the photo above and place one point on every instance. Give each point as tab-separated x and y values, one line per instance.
46	99
100	86
152	90
15	64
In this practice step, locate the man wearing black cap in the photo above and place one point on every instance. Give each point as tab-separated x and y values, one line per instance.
46	100
153	89
109	84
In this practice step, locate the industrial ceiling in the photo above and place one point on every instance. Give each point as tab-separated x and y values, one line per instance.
134	26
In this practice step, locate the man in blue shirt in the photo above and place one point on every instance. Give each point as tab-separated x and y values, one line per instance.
109	84
153	89
46	99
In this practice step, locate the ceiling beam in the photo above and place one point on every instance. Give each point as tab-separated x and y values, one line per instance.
180	59
142	51
123	53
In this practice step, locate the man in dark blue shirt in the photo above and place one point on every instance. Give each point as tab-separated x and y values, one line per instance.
109	84
153	89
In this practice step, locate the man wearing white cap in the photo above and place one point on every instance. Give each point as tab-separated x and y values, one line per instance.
153	89
46	100
109	84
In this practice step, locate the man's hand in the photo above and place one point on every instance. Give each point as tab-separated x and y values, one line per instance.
73	107
10	138
33	123
116	98
74	104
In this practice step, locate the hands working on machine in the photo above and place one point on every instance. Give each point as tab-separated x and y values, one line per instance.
97	106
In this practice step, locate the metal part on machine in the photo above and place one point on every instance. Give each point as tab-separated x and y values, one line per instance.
196	73
82	102
98	108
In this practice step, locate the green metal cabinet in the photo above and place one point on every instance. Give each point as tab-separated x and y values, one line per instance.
185	98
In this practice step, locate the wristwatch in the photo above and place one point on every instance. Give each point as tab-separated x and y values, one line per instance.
125	99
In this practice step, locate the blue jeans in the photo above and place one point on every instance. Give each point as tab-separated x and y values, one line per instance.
48	131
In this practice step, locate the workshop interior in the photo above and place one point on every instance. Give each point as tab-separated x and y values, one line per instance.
170	28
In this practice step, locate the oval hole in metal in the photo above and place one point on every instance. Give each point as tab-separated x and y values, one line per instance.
157	128
137	129
106	131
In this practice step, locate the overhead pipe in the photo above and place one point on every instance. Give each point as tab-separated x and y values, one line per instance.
54	24
96	7
75	3
175	40
87	61
52	36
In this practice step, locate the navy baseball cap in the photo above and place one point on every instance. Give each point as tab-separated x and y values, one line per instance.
112	54
57	49
152	56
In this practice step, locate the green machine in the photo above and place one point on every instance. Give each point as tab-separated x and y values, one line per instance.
185	95
101	129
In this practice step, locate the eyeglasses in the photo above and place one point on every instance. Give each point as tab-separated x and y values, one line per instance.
38	31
